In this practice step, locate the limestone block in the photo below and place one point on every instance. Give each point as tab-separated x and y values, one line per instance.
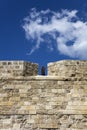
50	102
68	68
17	68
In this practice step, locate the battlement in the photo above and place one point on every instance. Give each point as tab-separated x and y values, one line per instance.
17	68
61	69
76	69
57	101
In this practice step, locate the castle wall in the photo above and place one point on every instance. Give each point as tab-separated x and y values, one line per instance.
43	103
17	68
76	69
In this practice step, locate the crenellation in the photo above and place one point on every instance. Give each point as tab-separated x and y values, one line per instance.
57	101
70	69
17	68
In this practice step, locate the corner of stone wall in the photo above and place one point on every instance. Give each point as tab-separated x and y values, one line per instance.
17	68
30	69
69	69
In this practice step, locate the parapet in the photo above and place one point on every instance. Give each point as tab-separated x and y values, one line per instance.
68	69
52	102
65	69
17	68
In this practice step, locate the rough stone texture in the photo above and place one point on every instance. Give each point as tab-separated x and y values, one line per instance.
17	68
45	102
69	69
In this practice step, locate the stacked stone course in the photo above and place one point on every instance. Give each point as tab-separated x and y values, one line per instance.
69	69
54	102
17	68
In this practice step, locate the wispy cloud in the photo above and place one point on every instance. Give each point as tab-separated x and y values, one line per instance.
64	27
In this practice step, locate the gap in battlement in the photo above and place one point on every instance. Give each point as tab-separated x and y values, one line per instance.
45	70
63	68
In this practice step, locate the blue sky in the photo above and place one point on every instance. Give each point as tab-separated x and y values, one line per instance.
30	34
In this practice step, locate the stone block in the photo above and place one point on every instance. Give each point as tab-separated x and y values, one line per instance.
54	102
68	69
17	68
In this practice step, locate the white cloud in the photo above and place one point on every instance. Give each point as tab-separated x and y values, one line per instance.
68	31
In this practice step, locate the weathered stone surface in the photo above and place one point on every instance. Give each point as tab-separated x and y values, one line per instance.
69	69
57	102
54	122
17	68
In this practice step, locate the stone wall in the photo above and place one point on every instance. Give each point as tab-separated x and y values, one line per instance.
17	68
44	102
69	68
